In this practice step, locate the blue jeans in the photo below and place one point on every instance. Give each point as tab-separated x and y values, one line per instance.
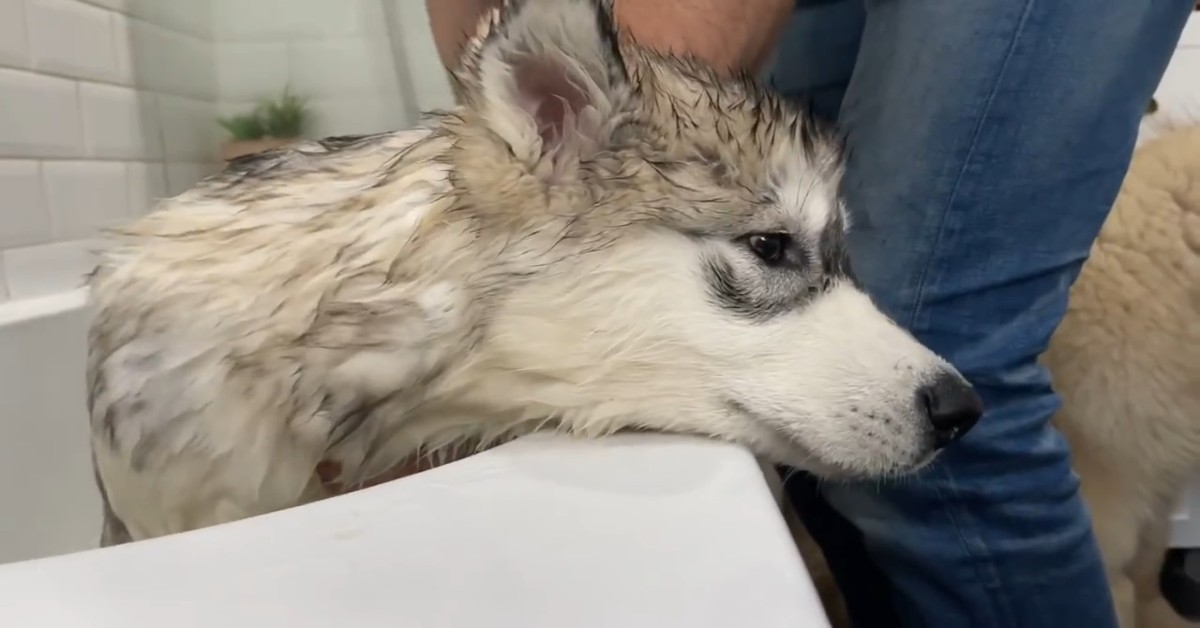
987	140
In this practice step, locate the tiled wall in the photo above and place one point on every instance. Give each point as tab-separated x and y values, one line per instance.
348	57
336	54
104	105
1180	87
108	104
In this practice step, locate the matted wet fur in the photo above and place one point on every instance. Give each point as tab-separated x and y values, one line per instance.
598	239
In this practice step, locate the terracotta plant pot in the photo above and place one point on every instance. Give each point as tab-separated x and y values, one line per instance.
233	149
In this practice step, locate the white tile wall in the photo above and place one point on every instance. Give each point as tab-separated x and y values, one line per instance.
322	19
181	175
23	217
14	46
175	63
115	5
337	53
39	115
430	88
249	71
84	197
340	67
249	20
1179	91
190	17
190	130
102	102
72	39
147	185
123	39
349	115
120	122
1191	34
108	105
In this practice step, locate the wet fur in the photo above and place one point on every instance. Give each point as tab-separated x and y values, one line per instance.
565	250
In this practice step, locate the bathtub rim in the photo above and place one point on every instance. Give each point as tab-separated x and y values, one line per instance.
19	311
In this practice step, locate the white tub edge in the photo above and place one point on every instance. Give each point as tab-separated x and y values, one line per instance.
23	310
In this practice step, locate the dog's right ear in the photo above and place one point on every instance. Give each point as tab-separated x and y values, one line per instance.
547	78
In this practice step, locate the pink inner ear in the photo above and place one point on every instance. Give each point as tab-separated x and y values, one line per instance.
551	115
552	98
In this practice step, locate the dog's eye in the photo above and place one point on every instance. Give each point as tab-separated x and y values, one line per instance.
769	247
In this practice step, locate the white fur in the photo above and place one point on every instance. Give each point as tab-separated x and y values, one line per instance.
834	384
808	196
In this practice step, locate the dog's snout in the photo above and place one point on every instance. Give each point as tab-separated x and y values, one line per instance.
952	406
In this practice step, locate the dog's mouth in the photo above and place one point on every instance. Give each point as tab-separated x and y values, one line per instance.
780	445
784	447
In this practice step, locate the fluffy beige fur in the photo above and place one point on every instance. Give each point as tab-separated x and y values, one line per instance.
1126	361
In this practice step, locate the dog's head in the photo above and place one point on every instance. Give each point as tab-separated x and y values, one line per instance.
682	240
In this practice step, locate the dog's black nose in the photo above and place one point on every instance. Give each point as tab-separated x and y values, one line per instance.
952	406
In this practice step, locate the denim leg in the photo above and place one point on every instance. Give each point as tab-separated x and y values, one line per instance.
816	55
987	143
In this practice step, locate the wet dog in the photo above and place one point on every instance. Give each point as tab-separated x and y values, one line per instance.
599	238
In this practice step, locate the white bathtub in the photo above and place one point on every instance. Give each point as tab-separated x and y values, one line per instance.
544	532
48	500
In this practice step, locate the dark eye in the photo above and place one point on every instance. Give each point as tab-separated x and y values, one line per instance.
769	247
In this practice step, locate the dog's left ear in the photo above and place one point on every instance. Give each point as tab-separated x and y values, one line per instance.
547	77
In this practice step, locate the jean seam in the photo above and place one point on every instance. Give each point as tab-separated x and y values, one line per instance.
978	551
919	297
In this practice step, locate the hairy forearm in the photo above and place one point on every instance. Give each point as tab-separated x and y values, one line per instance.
730	35
452	22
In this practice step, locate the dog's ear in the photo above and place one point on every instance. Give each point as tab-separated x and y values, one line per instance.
548	79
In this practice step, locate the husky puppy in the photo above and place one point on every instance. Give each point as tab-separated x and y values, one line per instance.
599	238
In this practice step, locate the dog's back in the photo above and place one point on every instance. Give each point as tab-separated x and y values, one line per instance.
240	265
1126	359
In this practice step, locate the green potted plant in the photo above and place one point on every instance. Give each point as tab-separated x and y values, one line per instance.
272	123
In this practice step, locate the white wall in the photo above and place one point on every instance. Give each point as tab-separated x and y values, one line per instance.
1179	91
430	88
104	105
337	53
51	505
107	104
